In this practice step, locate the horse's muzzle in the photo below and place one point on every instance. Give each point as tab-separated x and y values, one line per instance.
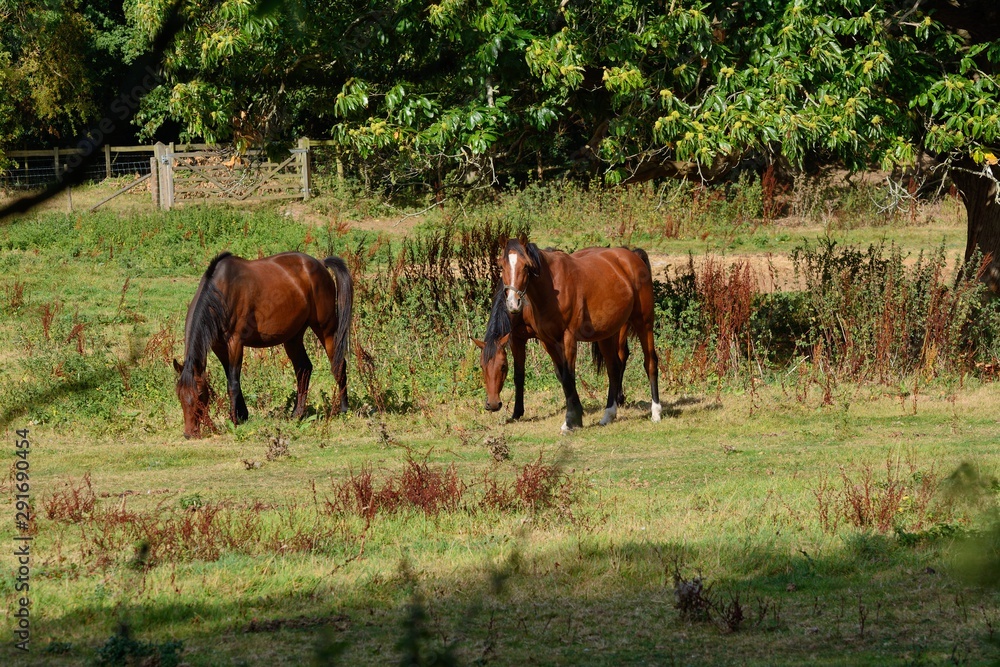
515	299
493	407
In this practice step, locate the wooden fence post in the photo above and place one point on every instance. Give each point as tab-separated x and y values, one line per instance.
167	168
55	158
303	159
154	180
107	160
166	186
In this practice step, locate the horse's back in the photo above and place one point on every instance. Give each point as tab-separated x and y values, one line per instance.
599	290
274	298
601	266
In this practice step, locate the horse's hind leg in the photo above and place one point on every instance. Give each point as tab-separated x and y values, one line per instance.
303	370
644	329
340	374
609	350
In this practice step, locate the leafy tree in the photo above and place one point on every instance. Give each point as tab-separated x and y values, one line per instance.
58	64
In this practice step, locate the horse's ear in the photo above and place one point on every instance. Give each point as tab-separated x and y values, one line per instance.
502	342
480	344
177	366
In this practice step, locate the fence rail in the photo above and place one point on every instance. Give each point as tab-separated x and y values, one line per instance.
176	173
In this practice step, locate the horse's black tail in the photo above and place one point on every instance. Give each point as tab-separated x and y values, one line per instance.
345	306
645	260
644	257
595	353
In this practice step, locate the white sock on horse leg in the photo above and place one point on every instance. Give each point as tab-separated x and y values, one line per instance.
610	414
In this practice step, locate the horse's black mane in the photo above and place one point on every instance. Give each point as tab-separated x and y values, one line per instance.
208	317
530	250
498	326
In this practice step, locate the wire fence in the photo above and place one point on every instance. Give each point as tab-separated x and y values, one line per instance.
34	172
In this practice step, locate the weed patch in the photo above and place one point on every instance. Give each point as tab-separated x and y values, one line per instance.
72	504
434	489
895	498
123	649
697	602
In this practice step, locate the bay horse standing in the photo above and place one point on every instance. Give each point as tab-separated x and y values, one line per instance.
594	295
503	331
262	303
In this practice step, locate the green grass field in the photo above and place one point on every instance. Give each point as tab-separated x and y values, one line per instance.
824	516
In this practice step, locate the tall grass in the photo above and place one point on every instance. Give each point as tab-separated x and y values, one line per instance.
863	315
106	298
92	335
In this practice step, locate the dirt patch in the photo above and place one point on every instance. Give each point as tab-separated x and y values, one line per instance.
773	272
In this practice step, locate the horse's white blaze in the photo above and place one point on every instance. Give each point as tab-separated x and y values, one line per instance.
657	409
513	303
610	414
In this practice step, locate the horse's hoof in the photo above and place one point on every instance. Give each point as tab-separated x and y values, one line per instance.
569	428
609	415
657	410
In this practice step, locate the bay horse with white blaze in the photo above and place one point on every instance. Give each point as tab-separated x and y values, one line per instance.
504	331
262	303
595	295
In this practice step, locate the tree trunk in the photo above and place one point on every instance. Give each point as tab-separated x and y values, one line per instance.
979	194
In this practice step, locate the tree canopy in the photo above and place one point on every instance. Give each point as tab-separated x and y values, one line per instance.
492	92
58	66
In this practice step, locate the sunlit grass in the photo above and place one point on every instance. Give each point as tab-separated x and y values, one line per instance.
725	487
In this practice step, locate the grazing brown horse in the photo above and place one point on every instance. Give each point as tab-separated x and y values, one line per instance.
503	331
262	303
596	295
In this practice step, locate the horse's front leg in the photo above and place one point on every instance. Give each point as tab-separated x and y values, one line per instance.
564	357
612	361
296	351
518	351
233	365
623	355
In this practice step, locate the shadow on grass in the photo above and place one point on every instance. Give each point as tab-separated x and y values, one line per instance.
88	382
593	602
